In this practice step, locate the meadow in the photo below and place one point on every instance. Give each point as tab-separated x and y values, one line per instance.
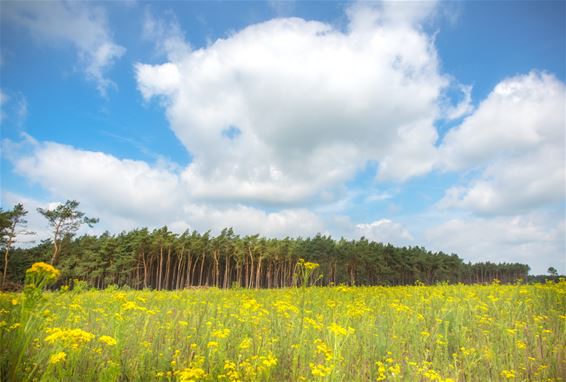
340	333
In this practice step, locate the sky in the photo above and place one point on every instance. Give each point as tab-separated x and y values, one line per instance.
434	124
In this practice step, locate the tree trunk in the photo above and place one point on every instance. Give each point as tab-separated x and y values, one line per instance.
226	268
201	271
6	253
239	273
258	274
168	269
251	277
145	273
160	268
189	275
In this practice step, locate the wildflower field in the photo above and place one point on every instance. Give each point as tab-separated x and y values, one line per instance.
414	333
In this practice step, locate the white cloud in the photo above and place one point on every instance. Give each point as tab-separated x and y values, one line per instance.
512	149
516	139
166	34
518	116
126	194
157	80
385	231
513	186
126	187
313	105
536	239
248	220
80	24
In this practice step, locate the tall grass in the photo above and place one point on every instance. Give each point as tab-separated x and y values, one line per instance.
416	333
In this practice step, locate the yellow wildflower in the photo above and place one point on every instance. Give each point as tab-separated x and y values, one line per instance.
339	330
68	337
509	374
108	340
319	370
521	344
310	266
44	269
221	333
324	349
269	361
246	343
191	374
57	357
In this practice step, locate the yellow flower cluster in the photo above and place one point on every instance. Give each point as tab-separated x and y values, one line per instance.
44	271
191	374
320	370
508	374
221	333
57	357
323	348
310	266
245	344
339	330
72	338
248	369
108	340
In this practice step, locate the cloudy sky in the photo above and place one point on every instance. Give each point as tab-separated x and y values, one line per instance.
417	123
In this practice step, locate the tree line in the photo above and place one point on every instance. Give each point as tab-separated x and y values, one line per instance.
160	259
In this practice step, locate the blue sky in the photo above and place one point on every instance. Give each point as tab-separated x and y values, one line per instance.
438	124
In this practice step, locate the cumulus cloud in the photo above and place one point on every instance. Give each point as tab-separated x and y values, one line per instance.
119	185
512	152
518	116
535	238
80	24
248	220
516	140
162	80
312	104
385	231
126	194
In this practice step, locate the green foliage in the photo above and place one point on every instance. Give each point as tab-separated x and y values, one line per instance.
160	259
